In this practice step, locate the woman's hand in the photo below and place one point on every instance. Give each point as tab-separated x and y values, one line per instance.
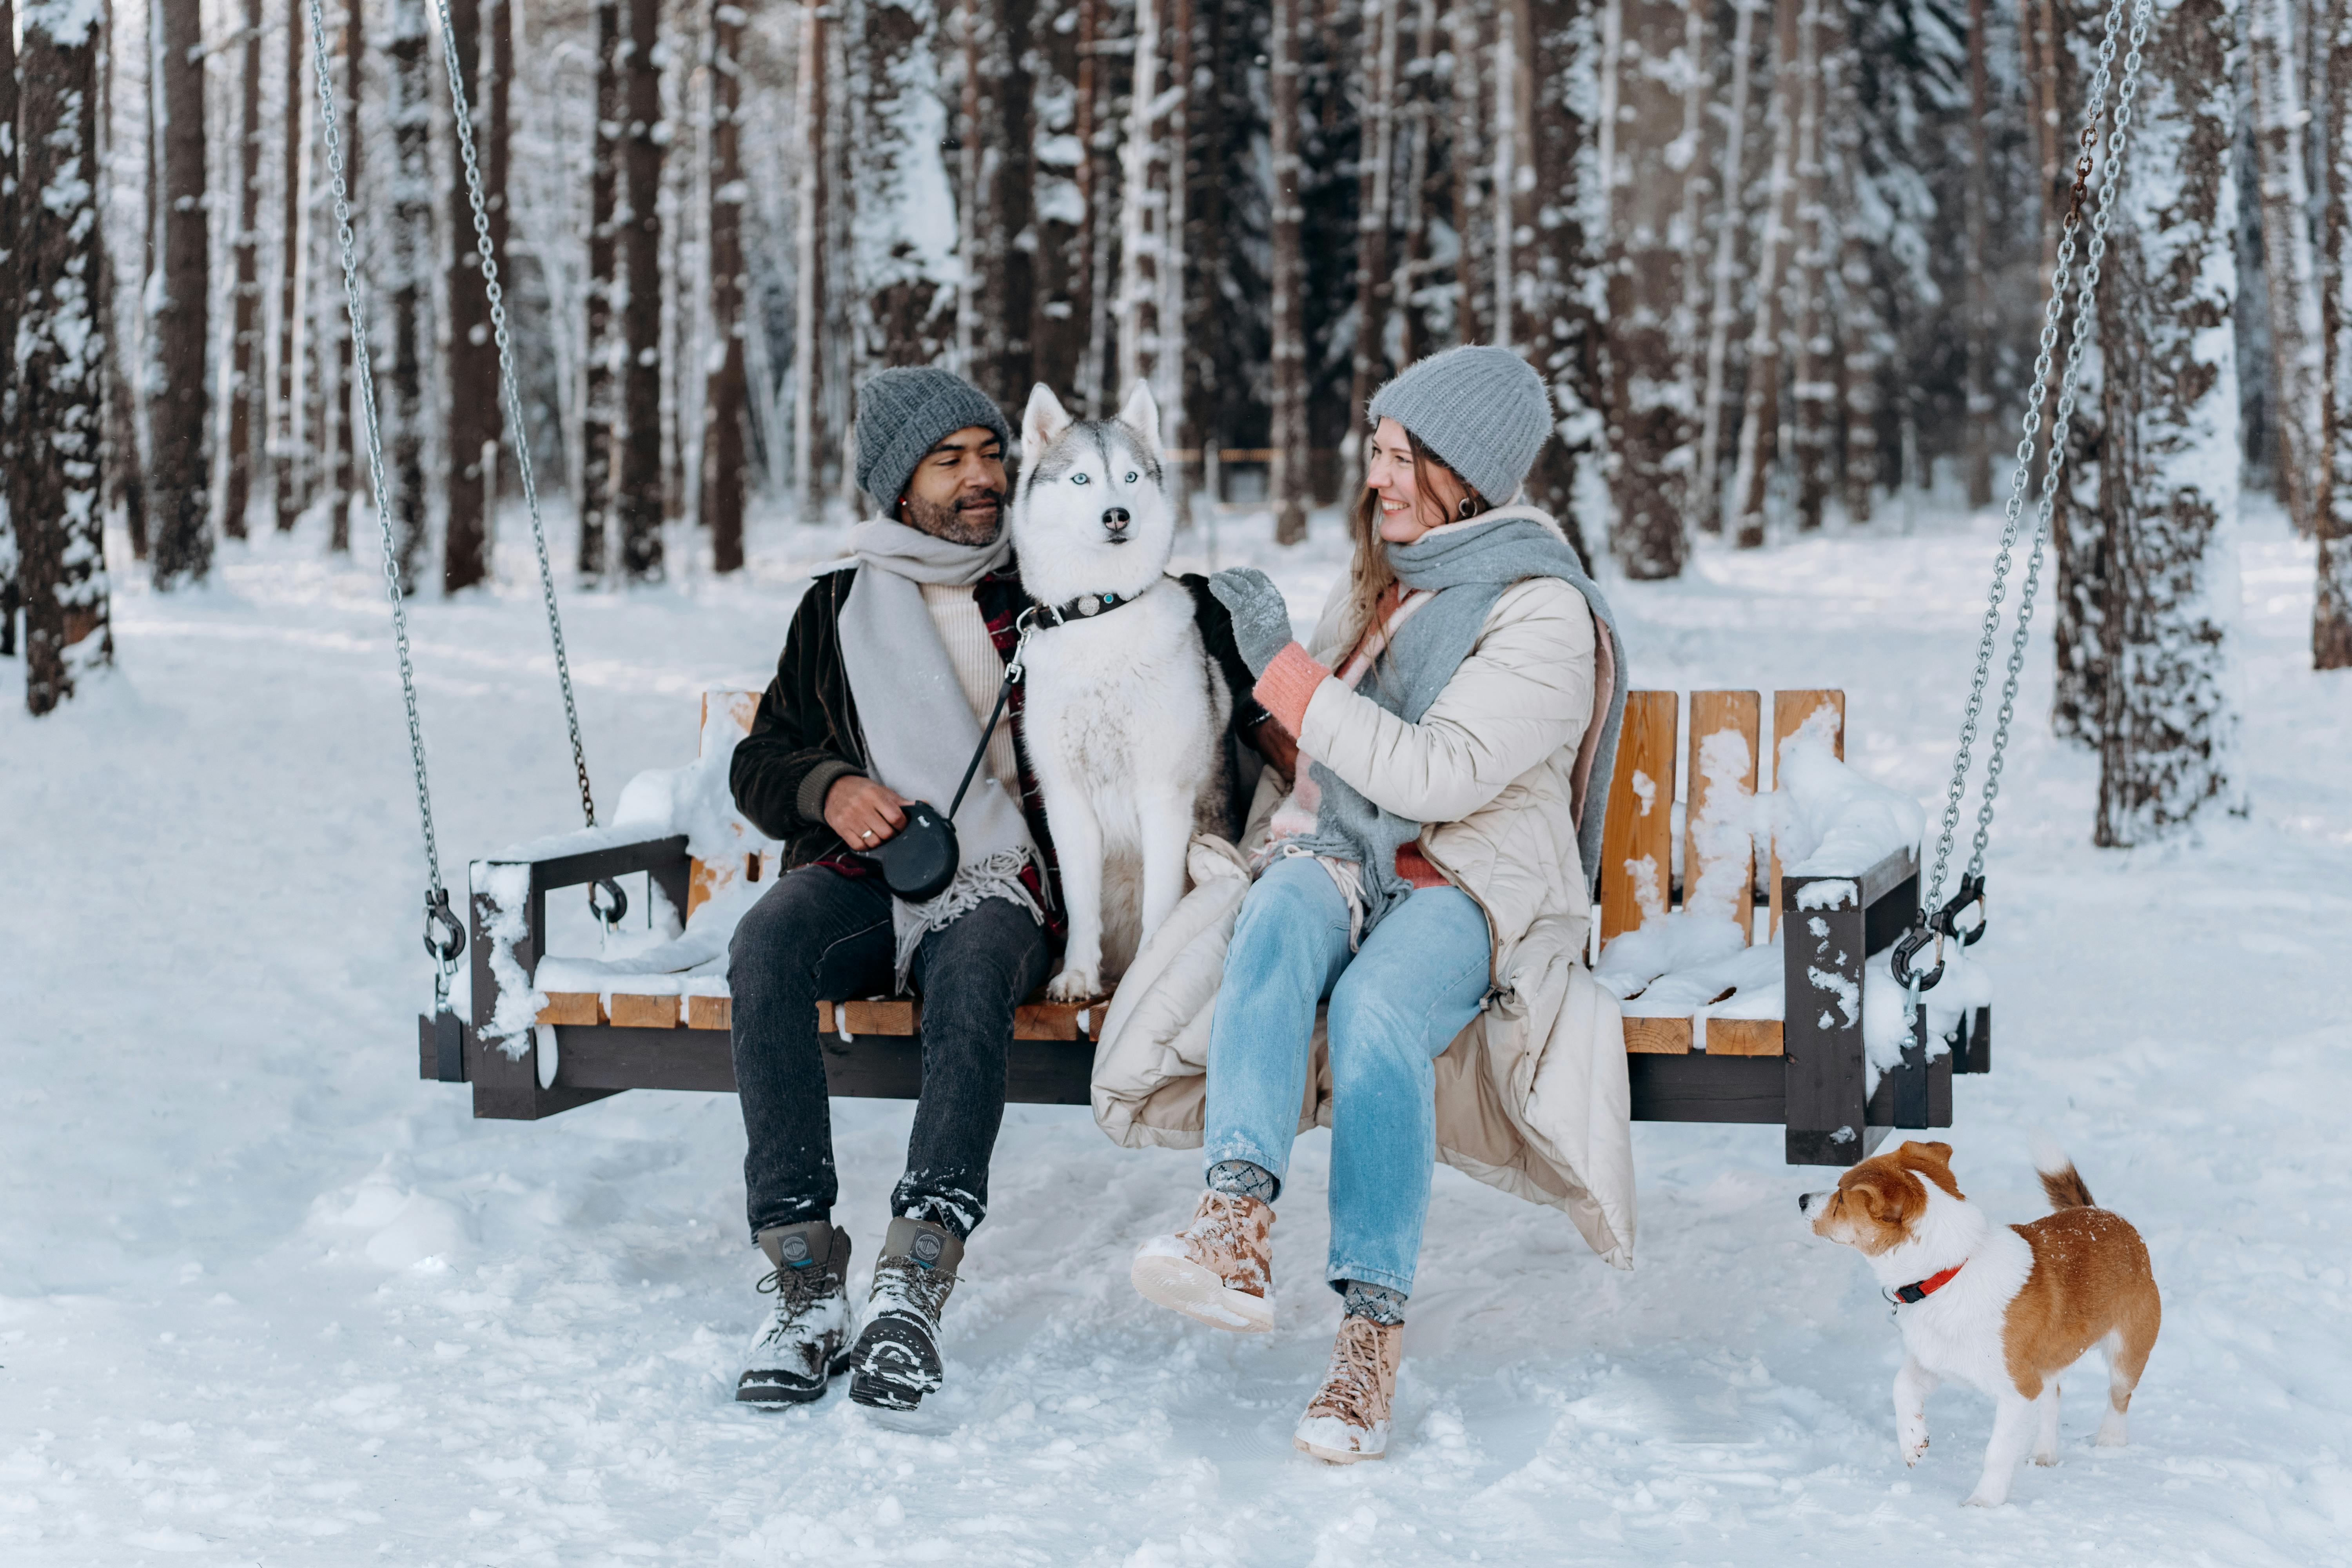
1261	619
862	812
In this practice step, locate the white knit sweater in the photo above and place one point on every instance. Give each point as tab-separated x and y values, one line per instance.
963	632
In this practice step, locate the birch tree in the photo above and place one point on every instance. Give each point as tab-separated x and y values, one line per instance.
2170	469
2292	292
179	310
408	253
724	461
2331	618
61	356
638	498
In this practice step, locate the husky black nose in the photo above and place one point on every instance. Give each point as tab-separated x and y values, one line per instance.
1117	520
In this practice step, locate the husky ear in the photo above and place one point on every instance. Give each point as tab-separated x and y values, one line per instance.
1140	413
1042	423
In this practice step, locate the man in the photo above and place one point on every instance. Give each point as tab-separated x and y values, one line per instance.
889	670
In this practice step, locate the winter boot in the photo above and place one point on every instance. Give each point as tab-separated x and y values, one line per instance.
1219	1270
897	1361
807	1339
1348	1419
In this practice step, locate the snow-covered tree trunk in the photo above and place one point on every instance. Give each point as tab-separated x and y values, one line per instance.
1976	440
244	383
1467	153
724	460
470	410
346	489
2292	292
1376	90
1174	304
408	254
1288	480
1723	303
1412	255
809	123
639	495
61	356
2170	467
1863	342
1647	406
1759	425
11	286
2331	619
179	307
600	391
1813	392
286	434
1560	324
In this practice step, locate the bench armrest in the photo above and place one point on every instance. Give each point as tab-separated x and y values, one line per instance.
510	913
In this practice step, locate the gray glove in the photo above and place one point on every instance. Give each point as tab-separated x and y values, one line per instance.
1261	620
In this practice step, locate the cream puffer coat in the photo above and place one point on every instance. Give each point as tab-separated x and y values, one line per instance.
1532	1095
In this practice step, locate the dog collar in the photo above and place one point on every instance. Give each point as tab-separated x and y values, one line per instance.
1084	607
1919	1290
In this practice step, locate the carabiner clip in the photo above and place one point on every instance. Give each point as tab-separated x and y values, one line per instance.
1906	949
450	940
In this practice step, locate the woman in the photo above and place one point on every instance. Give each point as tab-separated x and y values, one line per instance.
1431	823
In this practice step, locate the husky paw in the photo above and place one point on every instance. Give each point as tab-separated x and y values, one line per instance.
1913	1449
1075	985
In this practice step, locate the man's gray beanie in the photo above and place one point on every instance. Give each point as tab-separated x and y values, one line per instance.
903	413
1483	411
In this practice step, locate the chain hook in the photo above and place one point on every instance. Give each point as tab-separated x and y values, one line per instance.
617	906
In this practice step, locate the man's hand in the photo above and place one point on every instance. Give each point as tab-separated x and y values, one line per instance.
863	812
1274	743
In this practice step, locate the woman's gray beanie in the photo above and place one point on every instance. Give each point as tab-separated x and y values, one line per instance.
903	413
1483	411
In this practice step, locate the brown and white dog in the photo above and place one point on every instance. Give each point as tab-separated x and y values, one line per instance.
2003	1309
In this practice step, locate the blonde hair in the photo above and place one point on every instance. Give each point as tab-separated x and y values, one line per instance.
1369	576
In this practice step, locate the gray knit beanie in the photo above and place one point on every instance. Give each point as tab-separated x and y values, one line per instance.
1483	411
903	413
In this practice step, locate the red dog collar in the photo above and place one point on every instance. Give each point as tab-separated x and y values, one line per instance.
1905	1295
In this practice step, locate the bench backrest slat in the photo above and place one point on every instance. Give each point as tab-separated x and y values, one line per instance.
1640	828
1737	714
1789	711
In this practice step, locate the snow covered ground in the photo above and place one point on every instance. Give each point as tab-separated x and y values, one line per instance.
264	1298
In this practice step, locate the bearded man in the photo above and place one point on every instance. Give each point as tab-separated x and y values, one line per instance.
891	668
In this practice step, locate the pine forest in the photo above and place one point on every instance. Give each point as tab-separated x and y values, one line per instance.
1783	262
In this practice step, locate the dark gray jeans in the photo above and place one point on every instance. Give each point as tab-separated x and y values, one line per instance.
818	934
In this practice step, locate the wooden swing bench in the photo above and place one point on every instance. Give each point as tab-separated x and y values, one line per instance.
1804	1072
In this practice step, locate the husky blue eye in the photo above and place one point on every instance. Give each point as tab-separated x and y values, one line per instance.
1130	477
1078	479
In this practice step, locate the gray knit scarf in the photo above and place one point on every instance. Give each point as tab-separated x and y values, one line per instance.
1467	565
920	731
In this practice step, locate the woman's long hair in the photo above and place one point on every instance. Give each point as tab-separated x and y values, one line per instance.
1371	576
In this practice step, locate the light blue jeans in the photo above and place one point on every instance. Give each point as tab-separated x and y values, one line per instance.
1396	1004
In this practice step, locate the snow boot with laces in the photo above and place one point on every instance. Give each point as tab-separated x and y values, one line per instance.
1219	1270
897	1361
805	1340
1348	1419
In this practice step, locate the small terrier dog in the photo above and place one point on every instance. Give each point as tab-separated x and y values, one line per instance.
2003	1309
1124	713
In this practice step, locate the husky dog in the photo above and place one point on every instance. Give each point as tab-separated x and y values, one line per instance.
1124	713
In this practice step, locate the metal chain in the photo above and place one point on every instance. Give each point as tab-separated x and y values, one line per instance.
516	430
2094	253
2055	314
452	935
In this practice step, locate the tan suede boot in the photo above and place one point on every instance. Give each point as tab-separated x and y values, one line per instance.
1219	1270
1348	1419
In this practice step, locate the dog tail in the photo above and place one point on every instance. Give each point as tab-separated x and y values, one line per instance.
2060	1183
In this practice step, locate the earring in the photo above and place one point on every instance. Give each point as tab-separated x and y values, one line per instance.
1468	509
